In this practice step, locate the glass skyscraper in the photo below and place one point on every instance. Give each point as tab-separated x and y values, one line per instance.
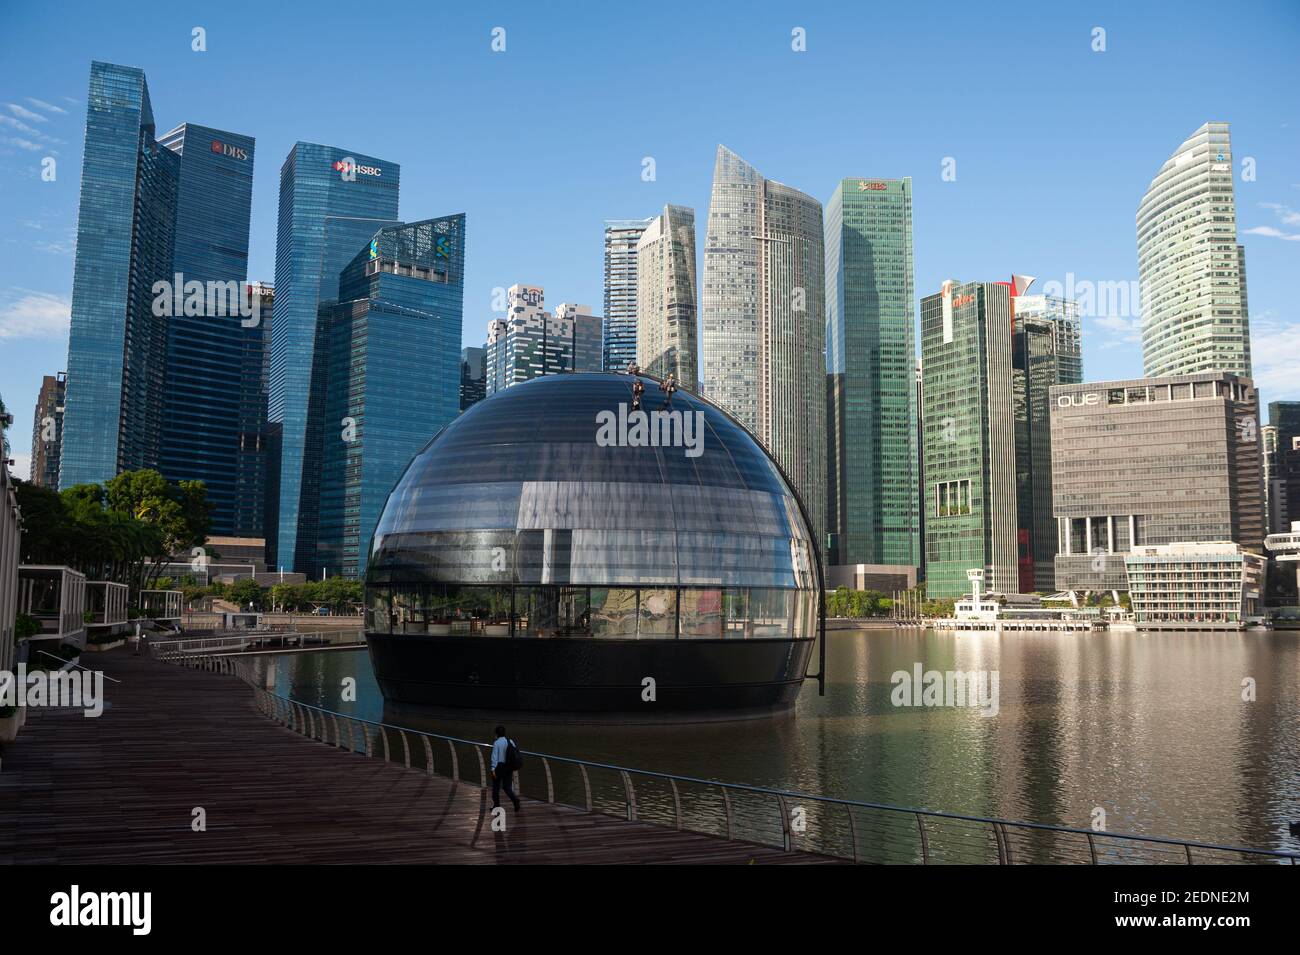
1045	342
116	344
47	431
332	202
532	342
763	321
1193	273
666	298
393	376
969	438
204	365
621	237
872	494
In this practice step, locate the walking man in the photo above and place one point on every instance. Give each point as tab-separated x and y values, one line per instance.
505	760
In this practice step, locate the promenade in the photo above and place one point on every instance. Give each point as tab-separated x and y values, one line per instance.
124	787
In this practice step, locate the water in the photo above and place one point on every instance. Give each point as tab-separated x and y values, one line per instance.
1150	728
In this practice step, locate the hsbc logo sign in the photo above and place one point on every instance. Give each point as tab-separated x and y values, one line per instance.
1077	401
349	168
225	149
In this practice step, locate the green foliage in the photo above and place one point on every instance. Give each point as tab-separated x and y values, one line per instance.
244	592
843	602
25	625
335	592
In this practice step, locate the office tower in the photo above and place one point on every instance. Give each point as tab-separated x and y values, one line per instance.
971	517
920	464
621	238
1284	417
1193	272
1045	351
531	342
332	201
253	453
116	344
1274	486
585	331
873	502
1152	461
204	374
763	328
47	431
393	376
666	300
473	382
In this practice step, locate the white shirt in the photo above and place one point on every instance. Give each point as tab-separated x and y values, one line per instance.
499	751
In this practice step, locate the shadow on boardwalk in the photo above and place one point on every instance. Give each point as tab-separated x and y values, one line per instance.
123	788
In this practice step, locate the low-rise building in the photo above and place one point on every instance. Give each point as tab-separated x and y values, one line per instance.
1188	585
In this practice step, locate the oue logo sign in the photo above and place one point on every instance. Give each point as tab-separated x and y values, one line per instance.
1077	401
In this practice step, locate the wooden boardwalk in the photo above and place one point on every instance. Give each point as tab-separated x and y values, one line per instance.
122	788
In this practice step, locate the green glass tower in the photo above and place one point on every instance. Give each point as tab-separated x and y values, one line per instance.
872	494
971	519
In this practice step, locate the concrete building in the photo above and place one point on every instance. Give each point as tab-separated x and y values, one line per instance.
531	342
1186	586
585	330
1193	272
969	439
47	430
763	331
1152	461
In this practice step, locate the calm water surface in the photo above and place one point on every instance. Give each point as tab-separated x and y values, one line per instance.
1150	727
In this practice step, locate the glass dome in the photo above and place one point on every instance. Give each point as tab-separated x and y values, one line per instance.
556	509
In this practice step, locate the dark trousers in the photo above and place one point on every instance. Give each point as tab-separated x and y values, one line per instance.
503	777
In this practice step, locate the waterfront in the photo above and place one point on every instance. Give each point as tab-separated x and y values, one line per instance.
1151	728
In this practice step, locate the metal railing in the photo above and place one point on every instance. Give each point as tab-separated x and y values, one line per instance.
849	829
255	641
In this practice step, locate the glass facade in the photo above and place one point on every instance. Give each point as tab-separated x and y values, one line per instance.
393	376
473	384
1284	471
969	438
871	415
331	203
517	521
125	223
201	422
666	298
621	238
1045	352
1192	271
763	328
531	342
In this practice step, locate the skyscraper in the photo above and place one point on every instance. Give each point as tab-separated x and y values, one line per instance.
1193	273
116	344
47	431
1284	477
393	376
253	455
871	413
531	342
621	238
971	517
204	371
763	321
473	383
666	303
1045	345
332	202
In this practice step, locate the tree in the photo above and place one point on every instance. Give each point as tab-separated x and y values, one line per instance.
246	591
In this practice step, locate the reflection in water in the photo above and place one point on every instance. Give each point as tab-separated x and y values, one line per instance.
1151	728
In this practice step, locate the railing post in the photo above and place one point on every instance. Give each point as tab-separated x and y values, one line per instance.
352	739
1188	847
550	785
482	767
1092	849
925	840
586	784
677	804
365	734
428	754
785	822
338	740
406	748
1000	836
853	833
630	793
383	734
455	762
726	803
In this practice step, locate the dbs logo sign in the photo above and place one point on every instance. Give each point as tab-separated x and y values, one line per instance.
225	149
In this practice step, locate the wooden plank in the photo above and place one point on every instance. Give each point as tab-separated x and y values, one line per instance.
123	787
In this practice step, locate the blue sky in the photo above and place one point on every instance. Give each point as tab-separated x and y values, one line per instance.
1054	143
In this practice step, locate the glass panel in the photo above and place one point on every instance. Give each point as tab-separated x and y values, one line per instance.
701	613
377	609
552	612
613	612
773	612
658	612
735	614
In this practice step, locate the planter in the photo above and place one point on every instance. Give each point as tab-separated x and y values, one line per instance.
496	629
440	629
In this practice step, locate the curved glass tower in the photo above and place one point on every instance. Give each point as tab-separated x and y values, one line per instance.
1193	272
554	548
763	320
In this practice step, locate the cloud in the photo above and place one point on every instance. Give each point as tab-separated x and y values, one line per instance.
23	113
1286	215
1273	233
48	107
1119	329
35	315
22	467
22	143
1275	355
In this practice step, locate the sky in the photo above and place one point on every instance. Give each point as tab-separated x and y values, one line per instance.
1053	129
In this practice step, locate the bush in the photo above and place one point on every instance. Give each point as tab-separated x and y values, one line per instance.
26	626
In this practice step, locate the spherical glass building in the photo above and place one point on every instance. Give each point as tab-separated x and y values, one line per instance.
559	549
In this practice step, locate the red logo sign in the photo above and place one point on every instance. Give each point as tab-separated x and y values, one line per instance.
874	186
225	149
